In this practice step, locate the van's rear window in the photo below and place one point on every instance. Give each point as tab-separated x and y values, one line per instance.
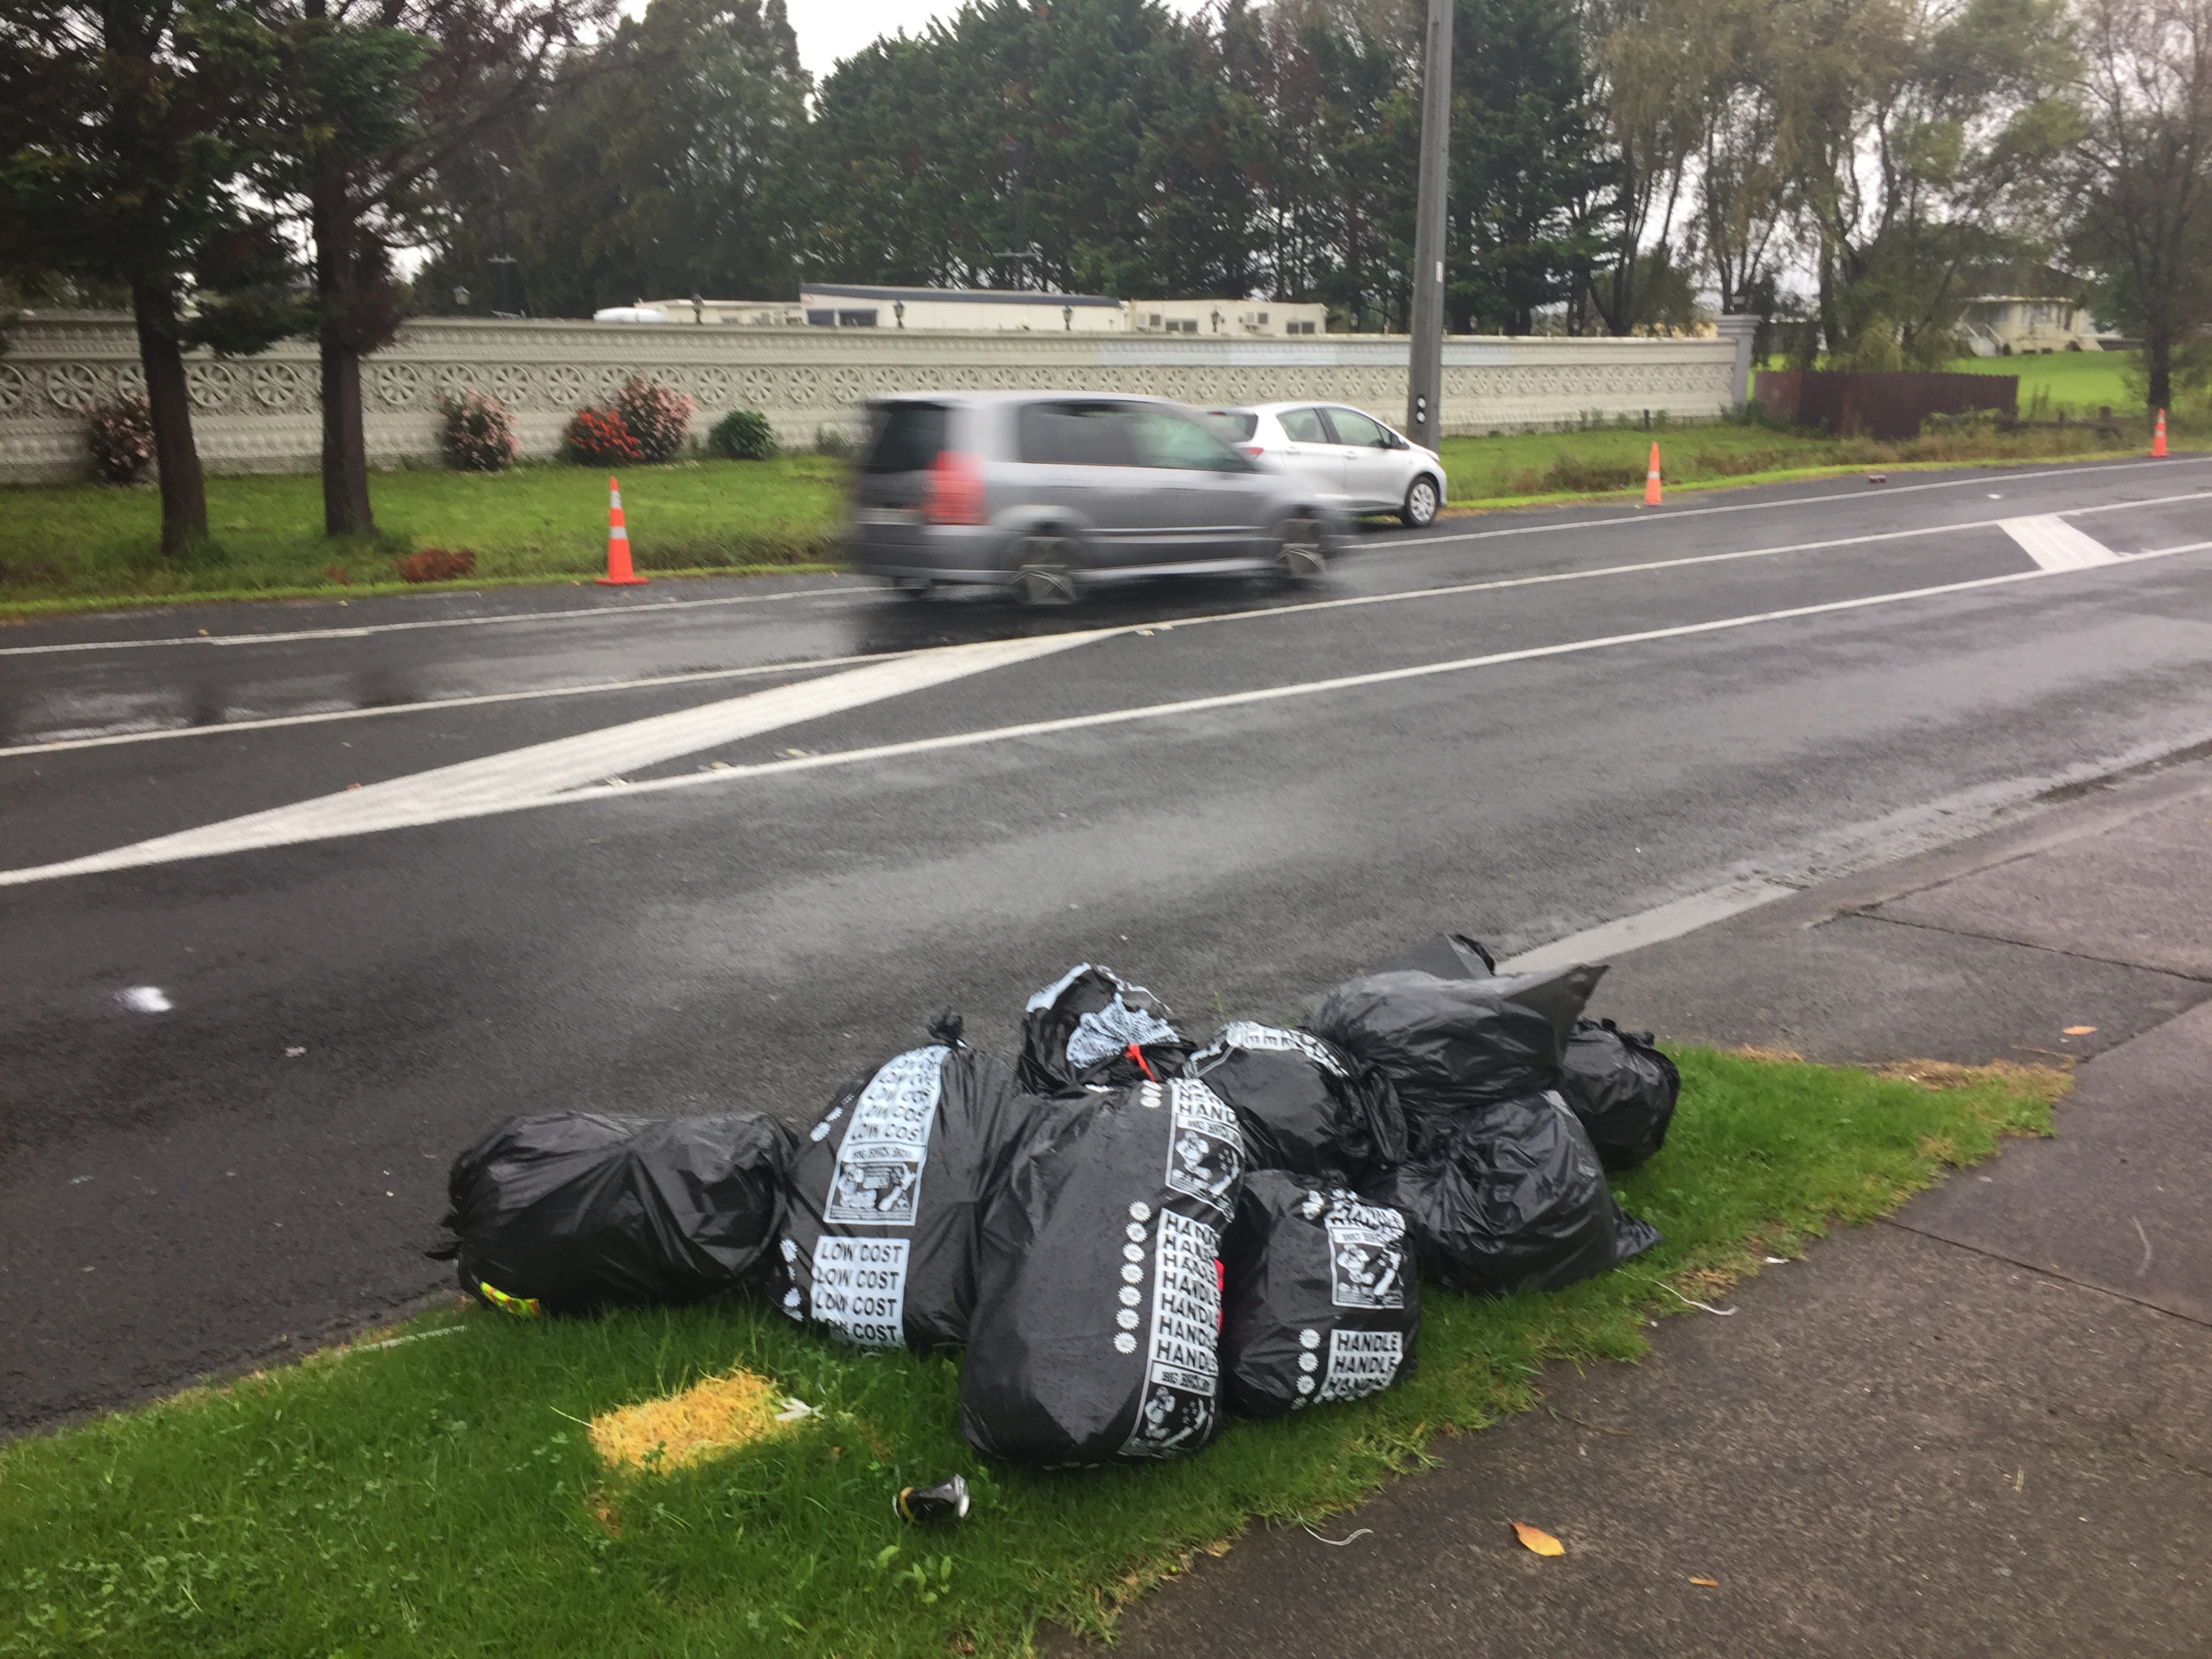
908	439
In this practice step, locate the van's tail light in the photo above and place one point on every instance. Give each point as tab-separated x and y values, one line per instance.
955	489
1256	449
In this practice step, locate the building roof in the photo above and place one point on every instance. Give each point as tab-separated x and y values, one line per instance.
997	296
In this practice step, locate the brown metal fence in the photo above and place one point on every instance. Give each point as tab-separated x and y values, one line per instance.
1888	406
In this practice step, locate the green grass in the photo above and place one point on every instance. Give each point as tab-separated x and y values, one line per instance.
1527	468
2078	382
83	541
441	1498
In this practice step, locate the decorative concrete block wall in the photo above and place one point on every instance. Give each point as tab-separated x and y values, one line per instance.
260	414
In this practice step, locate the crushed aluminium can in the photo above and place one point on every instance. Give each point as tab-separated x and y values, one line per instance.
946	1501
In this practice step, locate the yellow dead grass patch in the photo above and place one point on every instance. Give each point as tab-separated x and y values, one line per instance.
705	1420
2045	1083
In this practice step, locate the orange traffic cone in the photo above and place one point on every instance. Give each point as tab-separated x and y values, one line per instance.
1651	480
2157	437
619	575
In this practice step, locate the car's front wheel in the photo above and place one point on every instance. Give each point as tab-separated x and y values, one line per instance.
1422	501
1044	571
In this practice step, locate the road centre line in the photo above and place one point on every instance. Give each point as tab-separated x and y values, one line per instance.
1667	515
494	788
601	613
65	745
1342	683
1492	585
656	607
540	771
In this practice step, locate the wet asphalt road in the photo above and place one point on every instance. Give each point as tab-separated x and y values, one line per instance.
261	1161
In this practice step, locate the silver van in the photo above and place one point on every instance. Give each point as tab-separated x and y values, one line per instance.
1047	493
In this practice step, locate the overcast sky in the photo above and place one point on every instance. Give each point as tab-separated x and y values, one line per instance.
830	30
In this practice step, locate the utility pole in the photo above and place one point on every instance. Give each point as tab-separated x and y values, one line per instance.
1425	380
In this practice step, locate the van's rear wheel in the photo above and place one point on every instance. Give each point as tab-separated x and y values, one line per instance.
1044	571
1301	550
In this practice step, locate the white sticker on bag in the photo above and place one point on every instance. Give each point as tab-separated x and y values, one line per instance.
1360	1362
1205	1153
1366	1255
860	1289
878	1177
1182	1364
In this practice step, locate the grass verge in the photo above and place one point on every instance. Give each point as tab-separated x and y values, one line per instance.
441	1497
68	545
1535	469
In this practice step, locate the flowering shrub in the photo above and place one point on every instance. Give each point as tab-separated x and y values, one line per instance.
743	435
655	416
435	564
120	433
476	432
596	437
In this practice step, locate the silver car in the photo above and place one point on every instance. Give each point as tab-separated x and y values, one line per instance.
1048	493
1360	463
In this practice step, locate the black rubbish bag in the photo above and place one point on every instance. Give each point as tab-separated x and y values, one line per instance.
1511	1198
1096	1330
568	1211
1304	1104
887	1191
1448	956
1322	1297
1091	1027
1449	1045
1622	1088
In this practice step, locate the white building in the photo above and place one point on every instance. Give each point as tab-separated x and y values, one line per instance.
2001	324
1240	319
841	305
750	313
943	310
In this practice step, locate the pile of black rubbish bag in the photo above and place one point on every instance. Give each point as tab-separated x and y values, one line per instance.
1127	1234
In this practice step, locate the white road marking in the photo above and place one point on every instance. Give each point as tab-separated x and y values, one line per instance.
1892	491
633	611
481	788
1662	921
145	999
322	716
2057	545
602	613
1299	608
526	777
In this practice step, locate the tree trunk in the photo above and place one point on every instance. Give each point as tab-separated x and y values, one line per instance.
346	510
2158	365
184	486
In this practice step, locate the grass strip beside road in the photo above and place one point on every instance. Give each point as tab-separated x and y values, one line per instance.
73	545
442	1496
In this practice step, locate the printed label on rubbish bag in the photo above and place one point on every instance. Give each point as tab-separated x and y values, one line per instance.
1181	1368
1110	1029
1249	1034
1360	1362
860	1289
877	1178
1366	1255
1205	1156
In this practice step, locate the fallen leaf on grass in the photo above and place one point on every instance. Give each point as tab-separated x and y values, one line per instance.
1537	1540
1708	1583
2079	1030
